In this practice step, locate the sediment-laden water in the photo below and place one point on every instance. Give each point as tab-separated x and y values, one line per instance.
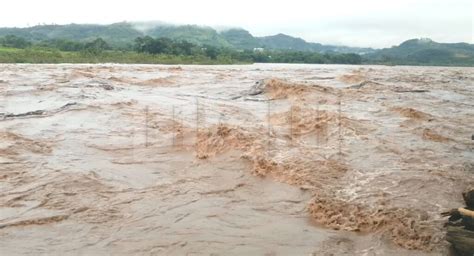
257	159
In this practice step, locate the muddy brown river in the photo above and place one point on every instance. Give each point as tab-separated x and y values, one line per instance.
232	160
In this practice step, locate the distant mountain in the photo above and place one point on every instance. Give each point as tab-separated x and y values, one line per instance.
282	41
425	51
123	34
116	34
286	42
241	39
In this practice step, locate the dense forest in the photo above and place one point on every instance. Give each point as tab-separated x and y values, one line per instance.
153	50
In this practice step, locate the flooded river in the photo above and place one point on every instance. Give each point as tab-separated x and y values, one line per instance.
254	159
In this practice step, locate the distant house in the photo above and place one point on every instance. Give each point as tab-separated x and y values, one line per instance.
258	49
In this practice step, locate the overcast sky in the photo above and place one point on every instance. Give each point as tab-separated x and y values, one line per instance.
374	23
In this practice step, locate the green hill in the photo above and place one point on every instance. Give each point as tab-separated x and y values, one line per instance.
282	41
241	39
425	51
118	34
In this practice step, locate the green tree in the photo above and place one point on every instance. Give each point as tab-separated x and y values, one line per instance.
14	42
211	51
97	46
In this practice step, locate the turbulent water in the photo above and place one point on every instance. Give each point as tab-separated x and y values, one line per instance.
258	159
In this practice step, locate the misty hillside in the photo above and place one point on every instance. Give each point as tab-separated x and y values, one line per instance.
116	34
123	34
194	34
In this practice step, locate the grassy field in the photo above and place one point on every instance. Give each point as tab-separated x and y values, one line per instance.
46	55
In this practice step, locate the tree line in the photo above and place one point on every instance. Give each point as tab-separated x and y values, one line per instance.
181	48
